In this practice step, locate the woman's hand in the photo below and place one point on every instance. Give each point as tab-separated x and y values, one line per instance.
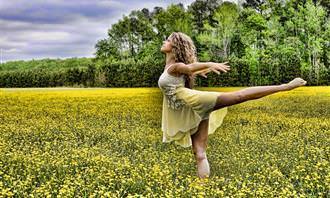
203	72
219	66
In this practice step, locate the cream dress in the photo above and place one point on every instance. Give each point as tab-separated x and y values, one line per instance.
184	108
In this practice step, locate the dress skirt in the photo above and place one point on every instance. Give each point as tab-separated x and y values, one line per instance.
179	124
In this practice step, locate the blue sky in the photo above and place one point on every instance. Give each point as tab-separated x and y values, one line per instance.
36	29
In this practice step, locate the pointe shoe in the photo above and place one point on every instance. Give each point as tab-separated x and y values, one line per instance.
297	82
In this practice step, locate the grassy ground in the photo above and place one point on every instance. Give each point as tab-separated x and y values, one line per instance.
93	142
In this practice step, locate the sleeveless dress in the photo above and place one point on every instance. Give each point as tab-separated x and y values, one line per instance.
184	108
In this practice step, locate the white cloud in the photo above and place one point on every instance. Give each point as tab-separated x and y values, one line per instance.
58	28
35	36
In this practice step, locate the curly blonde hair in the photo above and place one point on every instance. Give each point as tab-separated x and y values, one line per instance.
184	51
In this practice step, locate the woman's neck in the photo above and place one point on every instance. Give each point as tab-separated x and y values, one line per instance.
170	58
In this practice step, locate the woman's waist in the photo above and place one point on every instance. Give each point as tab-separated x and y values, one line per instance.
171	89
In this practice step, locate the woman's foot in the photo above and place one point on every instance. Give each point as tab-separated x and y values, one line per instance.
203	168
297	82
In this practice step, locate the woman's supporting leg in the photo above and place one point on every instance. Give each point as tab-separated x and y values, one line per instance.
199	144
252	93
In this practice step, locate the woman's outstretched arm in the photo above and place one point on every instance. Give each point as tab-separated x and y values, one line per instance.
202	72
192	68
198	66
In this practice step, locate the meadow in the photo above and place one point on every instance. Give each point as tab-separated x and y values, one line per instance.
106	142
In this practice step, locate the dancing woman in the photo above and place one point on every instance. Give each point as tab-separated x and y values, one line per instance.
188	115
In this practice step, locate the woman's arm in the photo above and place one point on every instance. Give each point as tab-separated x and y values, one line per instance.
198	66
190	69
202	72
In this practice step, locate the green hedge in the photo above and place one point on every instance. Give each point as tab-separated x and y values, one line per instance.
131	74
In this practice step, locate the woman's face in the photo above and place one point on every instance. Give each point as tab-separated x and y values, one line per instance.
167	46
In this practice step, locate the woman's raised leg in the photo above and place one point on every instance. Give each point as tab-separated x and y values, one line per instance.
252	93
199	144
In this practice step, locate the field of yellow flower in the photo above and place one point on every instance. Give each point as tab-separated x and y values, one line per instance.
106	142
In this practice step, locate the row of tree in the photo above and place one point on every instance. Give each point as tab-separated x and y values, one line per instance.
141	74
268	35
47	64
84	77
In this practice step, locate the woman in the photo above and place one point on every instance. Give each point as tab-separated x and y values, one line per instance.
188	115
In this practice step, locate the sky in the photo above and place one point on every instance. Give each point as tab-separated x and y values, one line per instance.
37	29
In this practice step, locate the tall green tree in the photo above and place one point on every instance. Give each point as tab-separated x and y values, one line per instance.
106	49
173	19
218	38
308	23
202	12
